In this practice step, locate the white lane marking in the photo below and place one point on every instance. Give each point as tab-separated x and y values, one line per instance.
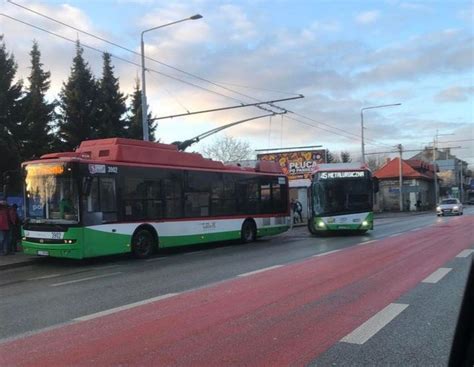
259	271
326	253
437	275
465	253
365	243
46	276
193	253
84	279
155	259
124	307
373	325
394	235
105	267
414	229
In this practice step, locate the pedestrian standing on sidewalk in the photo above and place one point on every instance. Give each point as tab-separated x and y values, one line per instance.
14	228
4	228
299	210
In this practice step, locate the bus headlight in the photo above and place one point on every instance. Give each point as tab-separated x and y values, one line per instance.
365	223
321	224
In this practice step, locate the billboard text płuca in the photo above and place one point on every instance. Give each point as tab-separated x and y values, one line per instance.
296	165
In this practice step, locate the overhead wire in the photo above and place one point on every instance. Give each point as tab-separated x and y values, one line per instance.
176	69
119	58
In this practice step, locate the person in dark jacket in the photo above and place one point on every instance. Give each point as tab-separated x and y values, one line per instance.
4	228
15	228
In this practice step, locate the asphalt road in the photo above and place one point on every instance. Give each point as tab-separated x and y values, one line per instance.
52	298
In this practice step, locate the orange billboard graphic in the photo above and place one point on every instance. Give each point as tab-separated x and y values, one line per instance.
296	165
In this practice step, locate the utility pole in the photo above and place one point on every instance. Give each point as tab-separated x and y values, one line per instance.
362	143
435	175
400	176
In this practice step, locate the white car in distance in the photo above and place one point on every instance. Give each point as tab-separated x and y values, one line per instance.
449	207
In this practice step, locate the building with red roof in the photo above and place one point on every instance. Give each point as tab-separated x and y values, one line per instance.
418	185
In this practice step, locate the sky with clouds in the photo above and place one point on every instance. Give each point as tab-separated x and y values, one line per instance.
341	55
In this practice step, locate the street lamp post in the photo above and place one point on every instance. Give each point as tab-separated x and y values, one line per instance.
362	124
144	102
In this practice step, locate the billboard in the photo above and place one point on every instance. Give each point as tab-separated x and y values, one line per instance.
296	165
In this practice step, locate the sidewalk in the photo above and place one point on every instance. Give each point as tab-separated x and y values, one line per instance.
17	260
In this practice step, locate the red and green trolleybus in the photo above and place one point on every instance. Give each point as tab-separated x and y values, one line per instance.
114	196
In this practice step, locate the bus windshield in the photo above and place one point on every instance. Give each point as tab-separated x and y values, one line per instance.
51	194
341	196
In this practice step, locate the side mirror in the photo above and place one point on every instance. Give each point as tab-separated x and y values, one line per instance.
375	184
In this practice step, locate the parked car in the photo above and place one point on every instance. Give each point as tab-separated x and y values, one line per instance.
449	206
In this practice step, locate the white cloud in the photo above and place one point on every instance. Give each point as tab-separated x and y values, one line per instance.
454	94
367	17
233	44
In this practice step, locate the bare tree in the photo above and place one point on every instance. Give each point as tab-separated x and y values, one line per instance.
228	149
376	161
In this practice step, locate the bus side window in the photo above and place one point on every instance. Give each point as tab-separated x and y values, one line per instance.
265	197
93	197
108	199
173	190
197	194
107	195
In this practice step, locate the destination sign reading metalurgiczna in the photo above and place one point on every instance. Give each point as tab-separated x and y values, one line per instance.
345	174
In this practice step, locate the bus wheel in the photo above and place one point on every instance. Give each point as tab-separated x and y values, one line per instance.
311	227
248	232
143	244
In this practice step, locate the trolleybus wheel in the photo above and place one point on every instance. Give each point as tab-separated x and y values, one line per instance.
248	232
311	228
143	244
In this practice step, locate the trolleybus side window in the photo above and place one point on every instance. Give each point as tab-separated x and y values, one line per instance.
217	195
93	197
247	194
173	190
197	194
265	197
107	194
143	198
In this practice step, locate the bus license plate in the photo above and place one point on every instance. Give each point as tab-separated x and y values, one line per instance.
43	253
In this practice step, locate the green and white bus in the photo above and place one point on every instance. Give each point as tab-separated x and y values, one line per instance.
116	195
341	197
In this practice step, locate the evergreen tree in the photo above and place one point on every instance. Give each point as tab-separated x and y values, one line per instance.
10	112
111	104
331	158
345	157
38	113
78	103
135	130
